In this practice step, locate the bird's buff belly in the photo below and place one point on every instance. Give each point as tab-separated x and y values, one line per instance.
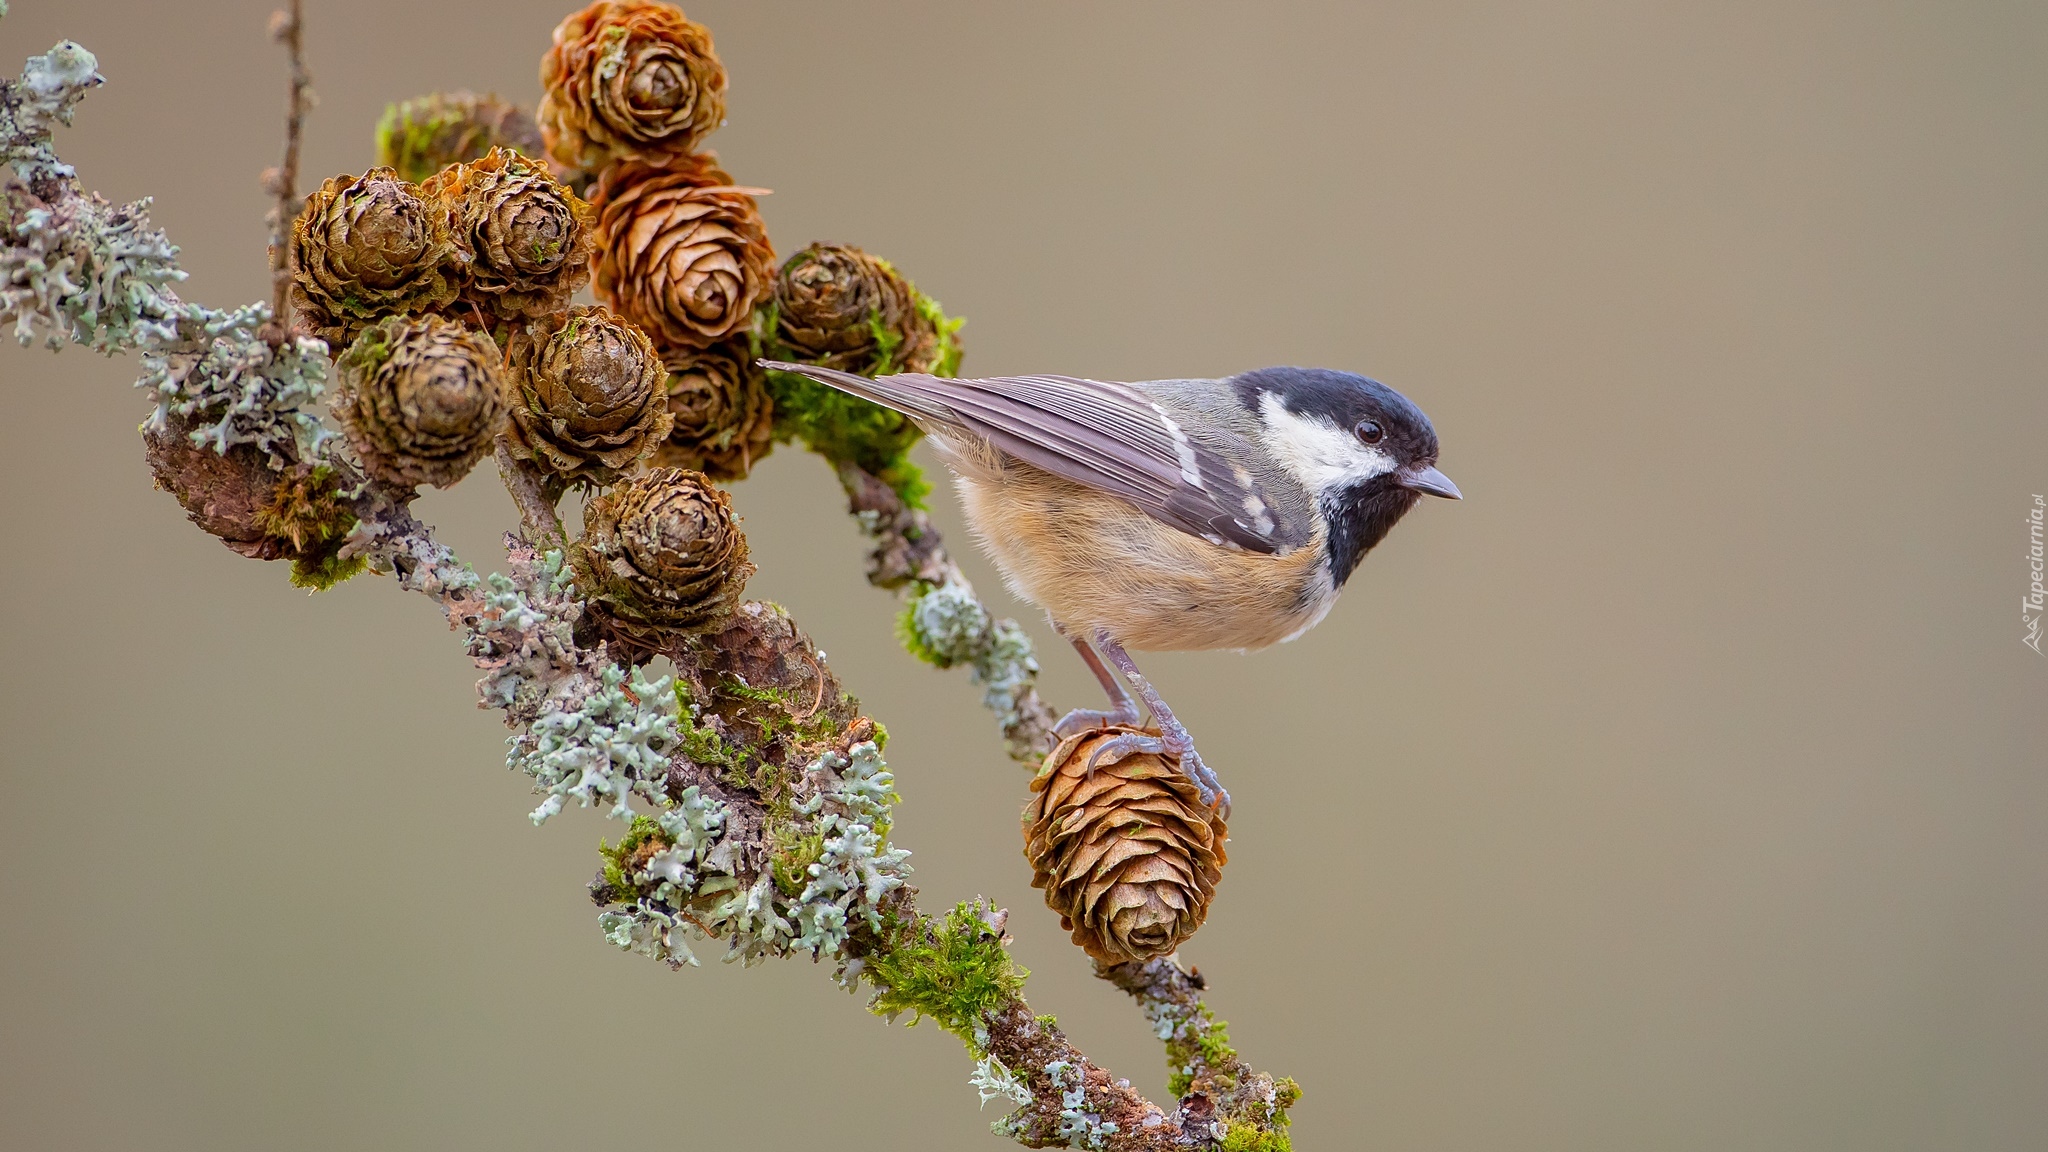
1094	562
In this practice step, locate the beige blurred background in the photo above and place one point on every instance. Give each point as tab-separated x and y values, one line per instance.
1681	789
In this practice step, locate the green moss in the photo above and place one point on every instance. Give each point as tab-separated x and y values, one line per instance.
791	856
1207	1044
307	515
368	351
949	335
841	427
912	638
617	874
954	971
421	136
321	573
702	747
1239	1136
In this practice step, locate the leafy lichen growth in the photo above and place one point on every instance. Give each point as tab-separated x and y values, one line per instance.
1078	1126
830	872
945	625
611	744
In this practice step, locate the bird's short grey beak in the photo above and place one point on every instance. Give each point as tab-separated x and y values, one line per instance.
1431	481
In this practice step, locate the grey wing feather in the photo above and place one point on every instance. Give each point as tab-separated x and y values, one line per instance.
1109	436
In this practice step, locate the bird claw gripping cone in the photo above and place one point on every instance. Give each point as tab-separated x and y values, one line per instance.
1126	851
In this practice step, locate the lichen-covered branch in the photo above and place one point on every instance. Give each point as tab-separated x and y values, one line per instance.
944	623
758	807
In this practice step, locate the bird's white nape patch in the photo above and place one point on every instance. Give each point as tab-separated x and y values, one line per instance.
1317	453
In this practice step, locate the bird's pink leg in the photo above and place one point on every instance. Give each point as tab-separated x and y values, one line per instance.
1123	709
1173	737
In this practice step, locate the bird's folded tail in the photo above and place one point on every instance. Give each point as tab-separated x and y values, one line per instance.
919	408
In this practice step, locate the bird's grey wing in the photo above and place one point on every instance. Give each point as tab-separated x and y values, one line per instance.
1109	436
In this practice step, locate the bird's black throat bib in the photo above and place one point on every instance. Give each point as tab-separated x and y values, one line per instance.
1361	516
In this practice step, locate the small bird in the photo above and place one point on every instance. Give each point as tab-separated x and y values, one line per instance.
1171	514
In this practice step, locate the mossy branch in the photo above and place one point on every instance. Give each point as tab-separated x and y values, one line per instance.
765	813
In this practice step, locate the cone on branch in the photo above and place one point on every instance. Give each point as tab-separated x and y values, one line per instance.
525	239
365	247
661	558
587	396
421	136
724	419
421	399
685	260
629	80
839	307
1127	853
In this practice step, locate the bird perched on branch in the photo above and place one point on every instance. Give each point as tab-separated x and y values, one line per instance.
1171	514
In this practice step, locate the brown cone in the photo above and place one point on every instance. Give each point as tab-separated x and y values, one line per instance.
724	417
366	247
525	238
628	80
586	391
421	136
685	261
421	399
839	307
662	557
1128	855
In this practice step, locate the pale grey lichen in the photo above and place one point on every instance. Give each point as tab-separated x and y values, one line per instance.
1006	671
230	386
1079	1127
74	267
523	636
32	108
611	745
992	1081
698	881
947	625
951	625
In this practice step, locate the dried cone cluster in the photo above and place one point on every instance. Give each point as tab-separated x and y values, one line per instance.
588	401
661	558
1127	853
524	237
366	247
421	399
426	134
629	80
839	307
686	260
724	417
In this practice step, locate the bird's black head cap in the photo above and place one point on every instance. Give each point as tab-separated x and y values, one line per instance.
1359	513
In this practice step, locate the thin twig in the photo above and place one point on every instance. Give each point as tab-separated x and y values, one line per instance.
282	182
542	522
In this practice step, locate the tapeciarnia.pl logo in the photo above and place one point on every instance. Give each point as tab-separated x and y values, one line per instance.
2036	599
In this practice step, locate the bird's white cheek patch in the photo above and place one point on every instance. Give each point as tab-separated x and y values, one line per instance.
1317	453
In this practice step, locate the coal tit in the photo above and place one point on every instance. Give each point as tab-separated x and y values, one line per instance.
1171	514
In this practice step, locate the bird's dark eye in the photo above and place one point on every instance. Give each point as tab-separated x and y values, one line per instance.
1370	431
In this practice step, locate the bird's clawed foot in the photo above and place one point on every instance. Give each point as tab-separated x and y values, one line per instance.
1214	794
1089	719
